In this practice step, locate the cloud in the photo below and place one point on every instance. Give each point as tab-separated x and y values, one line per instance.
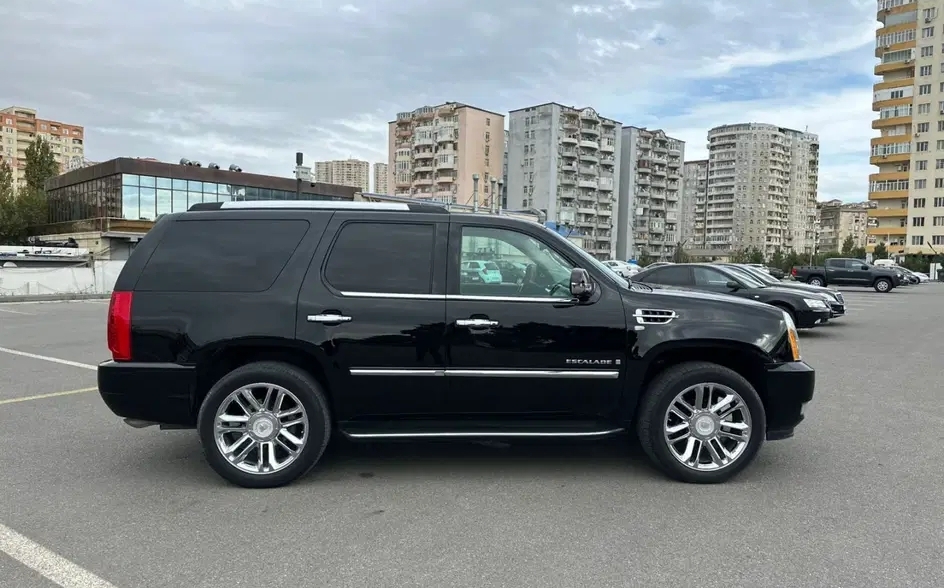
253	81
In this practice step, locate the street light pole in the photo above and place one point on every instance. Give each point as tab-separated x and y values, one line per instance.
492	201
475	193
299	159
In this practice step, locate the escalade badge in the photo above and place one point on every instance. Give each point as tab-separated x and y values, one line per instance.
593	362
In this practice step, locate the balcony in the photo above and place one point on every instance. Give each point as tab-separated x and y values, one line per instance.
448	163
590	131
887	231
586	210
588	144
569	153
888	212
588	170
890	158
569	140
607	147
423	167
589	157
444	195
889	195
587	183
884	68
423	181
423	141
605	184
568	167
567	180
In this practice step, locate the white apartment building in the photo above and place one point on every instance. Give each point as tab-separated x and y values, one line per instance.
380	179
436	152
694	191
762	187
650	191
344	172
565	161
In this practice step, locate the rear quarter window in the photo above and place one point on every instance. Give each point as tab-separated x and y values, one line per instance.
382	257
218	255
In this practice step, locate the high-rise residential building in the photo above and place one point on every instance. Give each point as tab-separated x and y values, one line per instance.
353	173
504	192
839	221
650	191
435	152
762	187
694	195
565	161
380	178
19	128
908	216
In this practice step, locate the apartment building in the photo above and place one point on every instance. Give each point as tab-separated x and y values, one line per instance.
565	161
504	191
908	216
838	221
762	187
650	191
435	152
353	173
380	179
19	128
694	193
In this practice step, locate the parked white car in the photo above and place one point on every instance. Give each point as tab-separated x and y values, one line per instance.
622	268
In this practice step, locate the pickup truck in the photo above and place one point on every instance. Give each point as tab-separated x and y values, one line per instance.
841	271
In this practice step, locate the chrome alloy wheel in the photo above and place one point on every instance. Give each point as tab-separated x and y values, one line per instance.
261	428
707	427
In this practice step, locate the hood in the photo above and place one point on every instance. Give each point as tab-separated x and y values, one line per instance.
793	291
804	287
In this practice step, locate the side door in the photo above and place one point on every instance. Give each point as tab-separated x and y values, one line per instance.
529	349
373	300
860	273
839	272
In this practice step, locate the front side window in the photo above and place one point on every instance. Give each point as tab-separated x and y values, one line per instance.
705	276
531	268
382	258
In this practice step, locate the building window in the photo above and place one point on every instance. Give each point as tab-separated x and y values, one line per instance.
938	221
923	108
927	51
927	32
921	164
923	127
917	221
925	70
937	240
920	184
922	146
919	202
939	202
924	89
917	240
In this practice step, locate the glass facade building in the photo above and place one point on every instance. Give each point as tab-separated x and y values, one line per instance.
141	197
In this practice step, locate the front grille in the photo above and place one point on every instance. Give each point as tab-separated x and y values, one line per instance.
840	298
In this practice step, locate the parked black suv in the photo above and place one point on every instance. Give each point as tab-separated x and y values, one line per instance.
269	325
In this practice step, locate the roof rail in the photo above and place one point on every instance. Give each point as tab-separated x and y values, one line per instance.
319	205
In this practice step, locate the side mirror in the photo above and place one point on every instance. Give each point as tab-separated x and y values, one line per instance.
732	285
863	267
581	287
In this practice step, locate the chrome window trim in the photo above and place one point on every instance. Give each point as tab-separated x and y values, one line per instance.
395	296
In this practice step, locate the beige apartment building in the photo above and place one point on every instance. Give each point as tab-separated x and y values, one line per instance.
434	152
838	221
694	192
761	189
380	179
906	190
19	128
353	173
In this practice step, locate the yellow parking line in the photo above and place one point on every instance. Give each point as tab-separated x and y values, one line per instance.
52	395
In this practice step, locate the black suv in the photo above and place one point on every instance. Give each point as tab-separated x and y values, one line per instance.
268	326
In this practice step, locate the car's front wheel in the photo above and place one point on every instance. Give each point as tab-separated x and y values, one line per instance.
883	285
701	422
264	424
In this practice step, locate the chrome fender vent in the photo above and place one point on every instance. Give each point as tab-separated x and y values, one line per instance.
651	316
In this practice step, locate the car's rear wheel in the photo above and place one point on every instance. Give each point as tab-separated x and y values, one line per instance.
264	425
701	422
883	285
814	281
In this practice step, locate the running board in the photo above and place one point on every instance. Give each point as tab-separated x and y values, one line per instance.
364	430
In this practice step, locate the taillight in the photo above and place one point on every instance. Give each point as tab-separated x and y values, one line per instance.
119	326
793	272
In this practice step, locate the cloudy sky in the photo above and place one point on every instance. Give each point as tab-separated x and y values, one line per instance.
253	81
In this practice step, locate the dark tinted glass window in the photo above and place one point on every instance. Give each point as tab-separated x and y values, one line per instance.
382	257
670	275
706	276
221	255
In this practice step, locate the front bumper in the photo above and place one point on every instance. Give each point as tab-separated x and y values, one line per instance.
789	387
809	318
836	309
155	392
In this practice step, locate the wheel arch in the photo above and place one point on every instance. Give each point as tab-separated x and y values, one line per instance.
224	358
747	360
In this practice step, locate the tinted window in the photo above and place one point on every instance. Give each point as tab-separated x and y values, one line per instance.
670	275
221	255
706	276
394	258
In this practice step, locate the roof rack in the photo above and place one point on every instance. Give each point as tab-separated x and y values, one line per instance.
319	205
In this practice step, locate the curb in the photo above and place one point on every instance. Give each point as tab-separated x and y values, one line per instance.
52	297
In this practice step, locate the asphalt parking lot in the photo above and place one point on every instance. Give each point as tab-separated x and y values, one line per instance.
855	499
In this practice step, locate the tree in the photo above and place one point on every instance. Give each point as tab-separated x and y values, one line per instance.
793	260
40	165
777	259
11	221
880	252
847	246
680	256
755	255
857	253
644	258
738	256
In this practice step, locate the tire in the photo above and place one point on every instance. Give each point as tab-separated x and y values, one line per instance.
816	281
883	285
313	423
653	417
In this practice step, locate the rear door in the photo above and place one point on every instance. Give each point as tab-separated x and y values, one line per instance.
374	301
839	272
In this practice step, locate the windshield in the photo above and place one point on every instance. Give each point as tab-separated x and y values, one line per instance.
743	275
757	274
589	260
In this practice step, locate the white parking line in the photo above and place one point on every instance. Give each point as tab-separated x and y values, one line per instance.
85	366
16	312
51	566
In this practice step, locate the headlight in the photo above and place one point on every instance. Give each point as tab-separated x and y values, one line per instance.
815	303
792	337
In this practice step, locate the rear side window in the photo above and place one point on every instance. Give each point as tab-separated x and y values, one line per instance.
670	276
221	255
393	258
